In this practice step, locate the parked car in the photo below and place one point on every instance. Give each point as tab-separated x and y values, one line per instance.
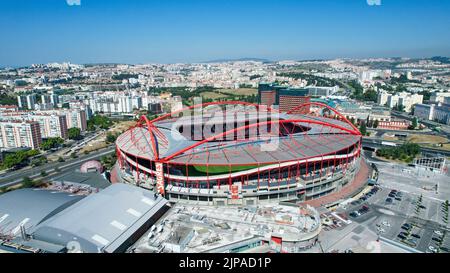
445	249
406	226
438	232
432	249
354	214
401	236
415	235
389	200
439	240
410	242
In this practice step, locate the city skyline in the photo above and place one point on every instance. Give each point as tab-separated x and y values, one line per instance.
201	31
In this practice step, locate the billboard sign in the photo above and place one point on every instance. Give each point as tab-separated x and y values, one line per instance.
159	177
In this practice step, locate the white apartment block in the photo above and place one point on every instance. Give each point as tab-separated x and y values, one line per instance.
75	118
439	113
51	125
382	97
26	101
438	97
17	134
405	99
424	111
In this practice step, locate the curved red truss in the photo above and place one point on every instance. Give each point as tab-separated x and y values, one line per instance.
209	104
329	108
232	131
153	130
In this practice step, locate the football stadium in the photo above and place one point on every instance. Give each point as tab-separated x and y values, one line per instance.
237	153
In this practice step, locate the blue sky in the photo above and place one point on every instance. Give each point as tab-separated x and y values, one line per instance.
167	31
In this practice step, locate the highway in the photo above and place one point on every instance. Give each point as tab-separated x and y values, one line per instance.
15	177
445	128
376	144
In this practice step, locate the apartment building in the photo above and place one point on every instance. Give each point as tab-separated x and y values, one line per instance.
407	100
51	125
17	134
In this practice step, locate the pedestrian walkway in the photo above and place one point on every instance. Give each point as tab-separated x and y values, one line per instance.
348	190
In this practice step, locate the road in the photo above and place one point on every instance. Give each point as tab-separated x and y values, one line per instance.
375	143
445	128
15	177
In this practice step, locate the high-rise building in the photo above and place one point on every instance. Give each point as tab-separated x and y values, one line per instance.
26	101
49	99
290	99
424	111
404	99
16	134
382	97
439	96
52	125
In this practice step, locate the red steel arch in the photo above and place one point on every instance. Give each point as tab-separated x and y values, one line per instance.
153	130
167	158
329	108
212	103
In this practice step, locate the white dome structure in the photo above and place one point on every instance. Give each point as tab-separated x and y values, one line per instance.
91	166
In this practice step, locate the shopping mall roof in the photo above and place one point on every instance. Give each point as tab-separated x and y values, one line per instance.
29	207
104	222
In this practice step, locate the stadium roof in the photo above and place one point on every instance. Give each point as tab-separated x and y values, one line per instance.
324	136
29	207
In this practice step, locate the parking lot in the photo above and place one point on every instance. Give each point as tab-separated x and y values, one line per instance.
423	231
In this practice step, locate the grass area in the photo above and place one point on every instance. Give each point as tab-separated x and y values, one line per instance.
221	169
437	146
122	126
213	95
229	93
389	138
240	91
100	141
431	139
214	170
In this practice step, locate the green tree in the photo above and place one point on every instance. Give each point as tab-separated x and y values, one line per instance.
43	173
27	182
99	121
414	123
418	205
363	128
110	137
376	124
51	143
75	133
445	212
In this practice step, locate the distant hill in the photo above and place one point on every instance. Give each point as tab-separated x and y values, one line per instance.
239	60
444	60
